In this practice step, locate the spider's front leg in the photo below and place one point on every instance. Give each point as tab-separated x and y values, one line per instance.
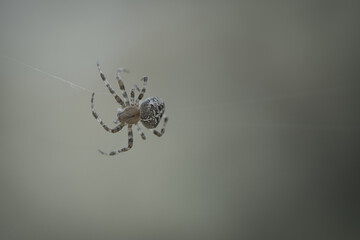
130	144
121	85
96	116
107	84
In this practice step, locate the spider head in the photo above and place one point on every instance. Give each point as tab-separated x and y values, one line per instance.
151	111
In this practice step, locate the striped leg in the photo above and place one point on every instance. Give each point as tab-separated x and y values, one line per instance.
130	144
140	132
96	116
121	84
141	95
117	98
136	87
159	134
132	96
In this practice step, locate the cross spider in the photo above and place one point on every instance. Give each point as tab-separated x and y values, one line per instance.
150	111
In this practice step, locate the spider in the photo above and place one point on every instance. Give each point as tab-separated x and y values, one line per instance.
150	111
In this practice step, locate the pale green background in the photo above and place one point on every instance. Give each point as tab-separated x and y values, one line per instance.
263	137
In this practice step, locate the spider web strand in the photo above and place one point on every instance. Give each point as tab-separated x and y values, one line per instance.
72	85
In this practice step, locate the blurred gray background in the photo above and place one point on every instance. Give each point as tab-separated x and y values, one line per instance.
263	139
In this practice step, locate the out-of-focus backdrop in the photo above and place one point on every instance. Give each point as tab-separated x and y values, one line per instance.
263	134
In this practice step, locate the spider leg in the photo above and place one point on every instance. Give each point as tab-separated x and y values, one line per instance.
117	98
96	116
140	131
121	84
136	87
132	96
130	144
141	95
159	134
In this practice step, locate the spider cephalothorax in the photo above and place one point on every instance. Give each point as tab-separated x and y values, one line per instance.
150	111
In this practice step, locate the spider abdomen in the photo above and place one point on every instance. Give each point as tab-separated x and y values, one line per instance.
151	111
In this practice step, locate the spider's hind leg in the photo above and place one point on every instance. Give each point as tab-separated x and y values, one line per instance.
140	131
162	131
